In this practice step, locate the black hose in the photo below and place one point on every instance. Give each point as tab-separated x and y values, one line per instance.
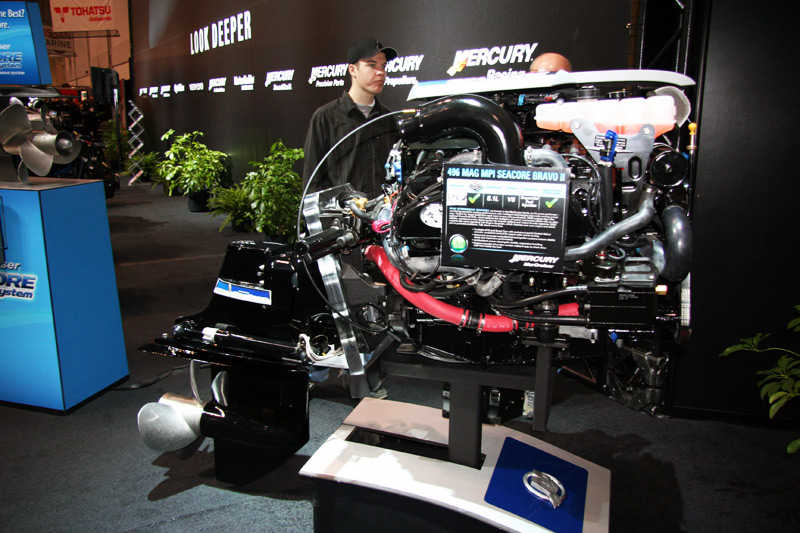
546	319
359	213
501	303
610	235
478	117
678	245
606	196
416	287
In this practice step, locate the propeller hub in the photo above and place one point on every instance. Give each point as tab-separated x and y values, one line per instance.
64	145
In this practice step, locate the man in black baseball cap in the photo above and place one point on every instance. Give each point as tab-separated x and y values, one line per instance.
366	48
361	159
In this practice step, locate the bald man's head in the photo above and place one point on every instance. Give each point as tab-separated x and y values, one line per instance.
550	62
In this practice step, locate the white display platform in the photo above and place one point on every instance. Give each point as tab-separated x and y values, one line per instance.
452	486
542	80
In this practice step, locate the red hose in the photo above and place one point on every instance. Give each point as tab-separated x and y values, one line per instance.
450	313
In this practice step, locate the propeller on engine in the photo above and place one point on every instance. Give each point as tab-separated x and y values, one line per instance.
35	140
173	423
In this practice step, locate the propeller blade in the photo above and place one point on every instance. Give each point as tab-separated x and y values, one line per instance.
37	160
163	429
171	424
13	121
22	173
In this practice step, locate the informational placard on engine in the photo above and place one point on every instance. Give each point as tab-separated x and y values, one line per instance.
506	217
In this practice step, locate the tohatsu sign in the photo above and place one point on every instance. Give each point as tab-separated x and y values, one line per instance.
88	15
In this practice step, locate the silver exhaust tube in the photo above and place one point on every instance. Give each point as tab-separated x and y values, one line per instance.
170	424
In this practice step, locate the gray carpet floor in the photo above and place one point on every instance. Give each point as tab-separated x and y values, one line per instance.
90	471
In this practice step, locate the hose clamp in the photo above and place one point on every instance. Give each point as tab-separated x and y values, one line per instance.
481	324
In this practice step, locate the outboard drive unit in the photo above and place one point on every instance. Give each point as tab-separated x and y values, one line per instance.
539	221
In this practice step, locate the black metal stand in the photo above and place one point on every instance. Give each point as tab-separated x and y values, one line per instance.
466	381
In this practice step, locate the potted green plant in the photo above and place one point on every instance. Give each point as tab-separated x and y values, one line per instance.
267	199
275	190
192	168
146	163
233	202
781	383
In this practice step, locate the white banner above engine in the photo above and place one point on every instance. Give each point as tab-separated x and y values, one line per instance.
88	15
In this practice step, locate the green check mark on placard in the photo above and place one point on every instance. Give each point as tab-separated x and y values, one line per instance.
473	199
551	203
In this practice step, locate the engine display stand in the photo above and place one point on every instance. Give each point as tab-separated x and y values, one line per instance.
466	383
386	469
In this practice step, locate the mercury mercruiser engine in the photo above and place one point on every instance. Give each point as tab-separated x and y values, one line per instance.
542	212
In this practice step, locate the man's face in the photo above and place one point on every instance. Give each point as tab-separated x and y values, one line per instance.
370	74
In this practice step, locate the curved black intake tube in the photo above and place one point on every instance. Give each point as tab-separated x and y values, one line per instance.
474	116
678	243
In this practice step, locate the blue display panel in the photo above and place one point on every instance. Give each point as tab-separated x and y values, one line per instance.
507	491
83	289
27	336
23	51
61	337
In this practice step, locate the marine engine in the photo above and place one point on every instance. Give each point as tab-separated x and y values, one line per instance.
547	211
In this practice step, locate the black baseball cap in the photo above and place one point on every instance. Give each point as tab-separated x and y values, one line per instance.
366	48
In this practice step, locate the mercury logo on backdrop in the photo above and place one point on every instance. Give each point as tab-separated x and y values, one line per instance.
495	55
284	76
334	75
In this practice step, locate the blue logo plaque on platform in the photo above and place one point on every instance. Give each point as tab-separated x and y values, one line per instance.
507	491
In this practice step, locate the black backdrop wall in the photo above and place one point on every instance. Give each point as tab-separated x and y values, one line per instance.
274	49
745	215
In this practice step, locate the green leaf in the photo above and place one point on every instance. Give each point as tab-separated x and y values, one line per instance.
748	344
783	362
769	390
754	341
776	406
735	348
775	397
770	376
793	446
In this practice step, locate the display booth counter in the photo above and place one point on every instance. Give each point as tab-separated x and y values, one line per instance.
385	469
61	339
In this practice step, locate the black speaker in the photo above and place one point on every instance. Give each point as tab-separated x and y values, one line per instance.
104	82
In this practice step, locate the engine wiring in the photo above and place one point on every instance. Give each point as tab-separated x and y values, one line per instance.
299	224
313	355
